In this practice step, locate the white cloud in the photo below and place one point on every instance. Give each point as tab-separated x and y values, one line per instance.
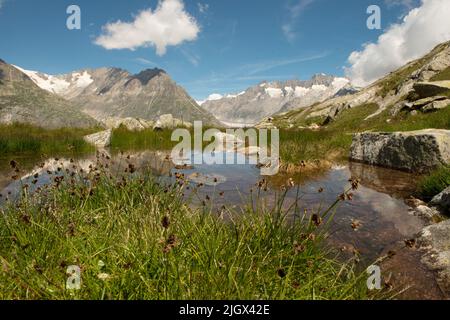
405	3
168	25
295	11
203	7
420	31
193	58
1	3
145	61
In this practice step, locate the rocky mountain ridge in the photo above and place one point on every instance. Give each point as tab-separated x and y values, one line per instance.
112	92
268	98
22	101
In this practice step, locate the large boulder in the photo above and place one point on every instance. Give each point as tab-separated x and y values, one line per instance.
432	88
100	139
436	105
435	241
415	151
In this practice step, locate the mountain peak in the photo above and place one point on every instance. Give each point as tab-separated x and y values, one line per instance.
148	74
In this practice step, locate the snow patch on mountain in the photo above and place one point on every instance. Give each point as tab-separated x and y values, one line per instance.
47	82
270	97
59	84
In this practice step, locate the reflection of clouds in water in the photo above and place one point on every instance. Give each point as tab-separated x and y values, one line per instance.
389	209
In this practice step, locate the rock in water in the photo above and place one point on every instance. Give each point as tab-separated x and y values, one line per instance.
435	241
100	139
442	200
432	88
415	151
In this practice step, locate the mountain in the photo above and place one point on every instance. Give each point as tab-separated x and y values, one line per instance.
21	100
268	98
390	94
113	92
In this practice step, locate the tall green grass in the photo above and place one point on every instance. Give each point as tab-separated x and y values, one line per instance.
138	239
22	138
434	183
148	139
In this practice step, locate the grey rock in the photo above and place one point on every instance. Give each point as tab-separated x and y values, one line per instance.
426	212
442	200
415	151
434	240
436	105
131	124
167	121
100	139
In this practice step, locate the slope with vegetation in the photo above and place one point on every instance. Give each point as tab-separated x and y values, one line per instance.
23	101
324	130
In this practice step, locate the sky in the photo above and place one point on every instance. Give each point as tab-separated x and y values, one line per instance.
223	46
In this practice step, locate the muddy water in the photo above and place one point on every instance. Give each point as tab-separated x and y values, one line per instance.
373	224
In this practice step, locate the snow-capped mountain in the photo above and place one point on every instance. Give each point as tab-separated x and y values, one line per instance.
114	92
268	98
22	101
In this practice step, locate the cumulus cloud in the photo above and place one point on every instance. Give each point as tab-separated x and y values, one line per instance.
419	32
168	25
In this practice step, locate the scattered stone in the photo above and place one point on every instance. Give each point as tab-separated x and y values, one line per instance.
414	203
314	126
427	213
414	151
100	139
132	124
167	121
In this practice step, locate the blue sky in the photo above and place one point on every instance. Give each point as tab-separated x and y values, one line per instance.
239	42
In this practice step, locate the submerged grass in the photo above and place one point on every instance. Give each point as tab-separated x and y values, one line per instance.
135	238
27	139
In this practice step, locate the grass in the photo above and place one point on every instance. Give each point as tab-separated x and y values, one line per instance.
135	238
27	139
434	183
148	139
443	75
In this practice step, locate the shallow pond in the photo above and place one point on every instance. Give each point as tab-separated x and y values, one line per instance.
375	223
